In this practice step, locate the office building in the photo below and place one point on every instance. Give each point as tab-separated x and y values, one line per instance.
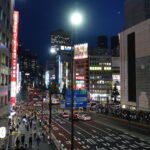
6	14
100	77
135	66
136	11
31	70
61	44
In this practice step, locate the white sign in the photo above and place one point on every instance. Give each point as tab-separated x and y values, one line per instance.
2	132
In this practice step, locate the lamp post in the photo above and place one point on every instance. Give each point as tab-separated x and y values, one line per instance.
76	19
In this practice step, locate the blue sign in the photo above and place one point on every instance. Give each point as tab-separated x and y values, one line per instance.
80	98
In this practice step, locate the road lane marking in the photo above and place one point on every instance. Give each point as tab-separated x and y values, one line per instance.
96	128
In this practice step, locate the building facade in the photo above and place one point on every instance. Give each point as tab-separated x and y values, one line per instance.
135	66
6	13
136	11
61	44
31	70
100	77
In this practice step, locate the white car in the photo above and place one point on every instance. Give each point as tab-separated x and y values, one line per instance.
85	117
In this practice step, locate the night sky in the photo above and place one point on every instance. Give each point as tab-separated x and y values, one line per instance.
38	18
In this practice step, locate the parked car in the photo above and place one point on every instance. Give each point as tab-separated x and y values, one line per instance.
85	117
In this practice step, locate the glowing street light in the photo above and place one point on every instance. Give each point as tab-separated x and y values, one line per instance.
76	18
53	50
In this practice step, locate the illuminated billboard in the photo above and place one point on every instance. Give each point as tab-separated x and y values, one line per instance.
65	48
14	58
81	51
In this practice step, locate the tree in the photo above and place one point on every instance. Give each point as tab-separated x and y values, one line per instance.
115	93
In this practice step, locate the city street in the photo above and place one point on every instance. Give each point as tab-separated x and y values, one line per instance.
94	135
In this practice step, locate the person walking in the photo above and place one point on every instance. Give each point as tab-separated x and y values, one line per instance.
25	147
30	140
17	142
34	136
23	139
38	140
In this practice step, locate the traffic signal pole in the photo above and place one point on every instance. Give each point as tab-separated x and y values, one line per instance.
72	105
50	113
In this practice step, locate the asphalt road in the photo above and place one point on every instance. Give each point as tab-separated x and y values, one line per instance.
101	133
95	135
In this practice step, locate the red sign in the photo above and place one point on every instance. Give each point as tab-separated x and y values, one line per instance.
14	57
80	77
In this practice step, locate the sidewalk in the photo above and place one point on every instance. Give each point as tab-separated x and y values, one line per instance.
22	130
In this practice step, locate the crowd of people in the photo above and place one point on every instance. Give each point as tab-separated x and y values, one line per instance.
33	136
127	114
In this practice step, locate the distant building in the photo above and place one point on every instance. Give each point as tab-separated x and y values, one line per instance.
102	42
115	46
135	66
136	11
31	70
61	43
60	38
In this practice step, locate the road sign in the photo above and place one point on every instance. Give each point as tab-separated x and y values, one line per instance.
80	98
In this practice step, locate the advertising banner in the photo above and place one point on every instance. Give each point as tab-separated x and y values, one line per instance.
14	57
81	51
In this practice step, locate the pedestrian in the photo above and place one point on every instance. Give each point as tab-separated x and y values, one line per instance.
17	142
38	140
23	139
34	136
27	127
21	148
25	147
30	141
17	126
43	135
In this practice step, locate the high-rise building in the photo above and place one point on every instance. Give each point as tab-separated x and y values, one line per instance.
136	11
115	46
100	77
61	43
31	70
6	14
135	66
60	38
102	42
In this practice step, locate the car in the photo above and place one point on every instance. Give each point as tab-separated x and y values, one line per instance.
85	117
65	115
75	116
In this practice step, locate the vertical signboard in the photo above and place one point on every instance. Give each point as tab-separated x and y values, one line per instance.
14	57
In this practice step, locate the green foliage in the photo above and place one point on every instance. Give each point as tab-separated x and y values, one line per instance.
115	93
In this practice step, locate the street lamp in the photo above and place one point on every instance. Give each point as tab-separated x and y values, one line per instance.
76	19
